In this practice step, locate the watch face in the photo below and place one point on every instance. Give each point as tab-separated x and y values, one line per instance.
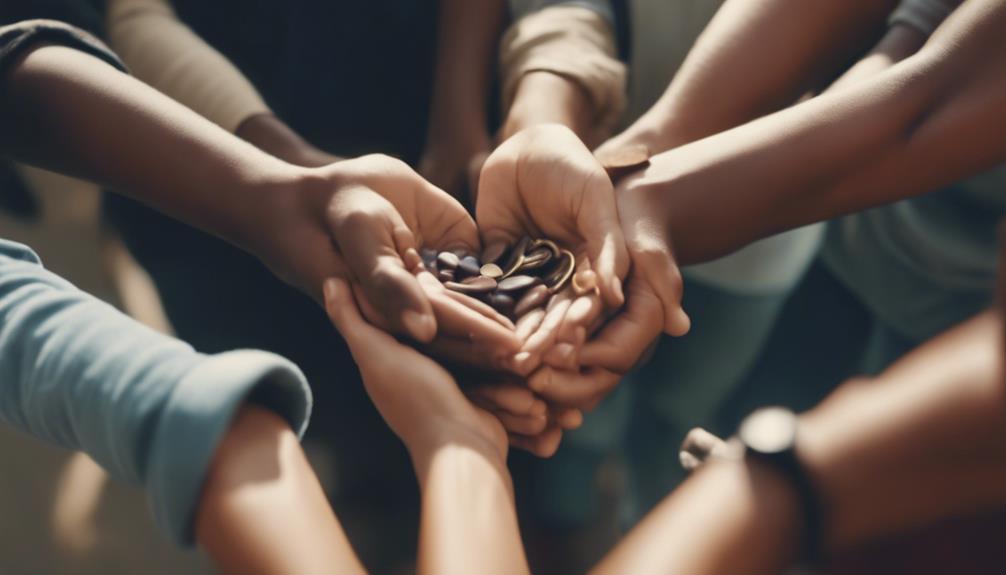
769	430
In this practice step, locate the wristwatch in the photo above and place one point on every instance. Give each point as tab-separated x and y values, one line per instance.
769	436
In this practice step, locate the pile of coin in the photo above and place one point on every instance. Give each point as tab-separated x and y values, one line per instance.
512	279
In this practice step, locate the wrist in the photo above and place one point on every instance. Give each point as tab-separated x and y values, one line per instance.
449	439
546	98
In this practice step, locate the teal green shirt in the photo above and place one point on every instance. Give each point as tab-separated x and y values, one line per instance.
924	264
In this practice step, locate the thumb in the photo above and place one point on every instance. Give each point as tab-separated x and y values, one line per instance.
373	246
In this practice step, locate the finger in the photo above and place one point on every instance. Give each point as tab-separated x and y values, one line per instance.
562	356
480	307
701	443
468	354
370	237
568	418
545	335
518	424
364	340
688	461
515	399
659	270
623	340
583	313
572	388
605	242
544	444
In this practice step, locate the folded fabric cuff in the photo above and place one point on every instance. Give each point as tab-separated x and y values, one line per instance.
924	15
197	416
573	42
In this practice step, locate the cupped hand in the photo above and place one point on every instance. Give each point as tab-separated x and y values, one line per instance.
653	305
544	182
418	398
363	220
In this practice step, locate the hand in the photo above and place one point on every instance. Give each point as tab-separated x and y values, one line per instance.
363	220
417	397
544	182
653	304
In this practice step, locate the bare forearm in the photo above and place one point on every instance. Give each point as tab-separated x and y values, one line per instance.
68	111
262	509
757	57
547	98
466	53
923	441
729	518
927	122
469	522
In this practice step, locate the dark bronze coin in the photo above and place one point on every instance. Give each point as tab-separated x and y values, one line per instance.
552	246
516	257
448	260
494	252
558	278
474	285
534	297
535	259
491	271
469	265
502	303
517	283
626	157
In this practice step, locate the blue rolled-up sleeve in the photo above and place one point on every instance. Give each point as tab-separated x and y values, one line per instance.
147	407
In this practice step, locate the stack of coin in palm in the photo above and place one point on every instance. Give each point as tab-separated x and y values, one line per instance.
514	280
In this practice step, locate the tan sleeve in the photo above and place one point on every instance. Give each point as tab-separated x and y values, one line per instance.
924	15
165	53
571	41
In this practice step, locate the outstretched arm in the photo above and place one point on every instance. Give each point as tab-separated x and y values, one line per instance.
926	122
752	59
262	509
469	523
923	441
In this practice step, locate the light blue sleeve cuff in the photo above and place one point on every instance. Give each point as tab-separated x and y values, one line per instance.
198	414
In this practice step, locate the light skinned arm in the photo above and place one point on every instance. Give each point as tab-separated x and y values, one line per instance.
162	51
923	441
68	111
883	133
926	122
263	510
469	522
753	59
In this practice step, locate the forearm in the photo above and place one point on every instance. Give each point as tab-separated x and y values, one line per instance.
547	98
68	111
559	65
262	509
755	58
924	123
162	51
469	523
468	37
729	517
923	441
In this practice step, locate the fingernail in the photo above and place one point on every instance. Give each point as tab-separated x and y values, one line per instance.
565	351
329	289
521	359
420	325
